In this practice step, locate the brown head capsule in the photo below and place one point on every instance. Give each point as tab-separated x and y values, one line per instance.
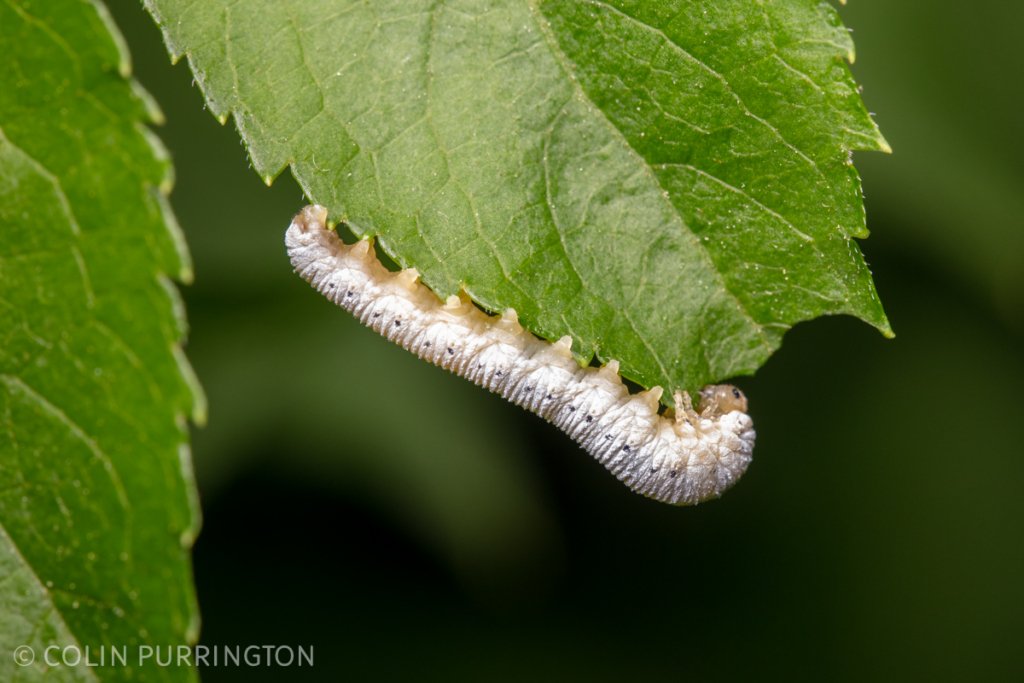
719	399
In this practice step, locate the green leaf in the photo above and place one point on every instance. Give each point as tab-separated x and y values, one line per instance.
97	505
668	182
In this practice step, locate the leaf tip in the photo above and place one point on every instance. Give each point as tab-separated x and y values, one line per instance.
881	323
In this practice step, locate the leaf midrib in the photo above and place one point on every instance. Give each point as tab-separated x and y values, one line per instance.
565	64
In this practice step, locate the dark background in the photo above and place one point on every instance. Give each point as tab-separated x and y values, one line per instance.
407	524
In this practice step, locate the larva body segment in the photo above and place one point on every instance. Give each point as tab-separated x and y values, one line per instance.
680	459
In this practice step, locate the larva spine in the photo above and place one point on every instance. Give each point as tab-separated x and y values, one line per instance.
683	457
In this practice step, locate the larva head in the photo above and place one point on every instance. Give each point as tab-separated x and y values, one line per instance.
719	399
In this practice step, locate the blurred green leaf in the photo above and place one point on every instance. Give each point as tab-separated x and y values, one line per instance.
97	505
669	183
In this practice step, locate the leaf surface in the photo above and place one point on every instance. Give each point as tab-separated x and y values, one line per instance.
97	504
668	182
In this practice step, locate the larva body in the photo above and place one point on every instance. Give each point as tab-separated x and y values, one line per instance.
682	458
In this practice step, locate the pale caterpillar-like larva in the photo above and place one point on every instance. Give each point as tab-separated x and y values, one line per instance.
682	457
